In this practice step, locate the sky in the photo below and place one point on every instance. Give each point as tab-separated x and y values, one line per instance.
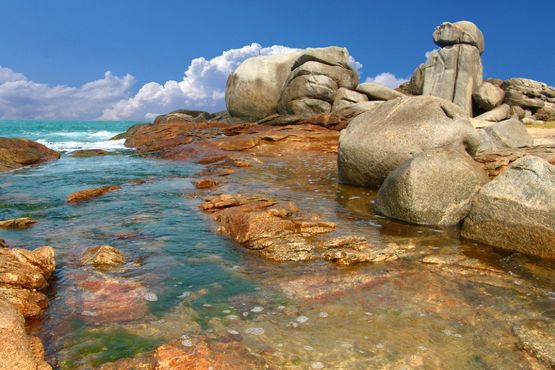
132	60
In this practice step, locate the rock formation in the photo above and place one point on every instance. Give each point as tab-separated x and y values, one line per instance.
17	153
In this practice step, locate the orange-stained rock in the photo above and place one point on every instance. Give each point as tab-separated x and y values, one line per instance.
351	250
83	153
84	195
217	172
497	161
30	303
17	153
17	223
205	183
26	269
237	143
102	256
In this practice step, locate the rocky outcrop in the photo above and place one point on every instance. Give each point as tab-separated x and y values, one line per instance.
497	161
87	194
453	72
378	141
17	223
18	349
102	256
17	153
515	210
378	92
301	83
434	188
528	94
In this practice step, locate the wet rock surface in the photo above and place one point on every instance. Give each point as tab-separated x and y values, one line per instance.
537	338
87	194
17	153
102	256
17	223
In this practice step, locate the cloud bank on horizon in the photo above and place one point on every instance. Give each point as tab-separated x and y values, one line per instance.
111	98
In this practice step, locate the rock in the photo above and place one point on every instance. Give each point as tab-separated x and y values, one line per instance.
206	183
18	350
495	81
30	303
378	141
84	153
253	89
17	153
496	161
434	188
520	113
510	133
26	269
531	121
346	98
513	97
102	256
350	250
87	194
18	223
515	210
462	32
547	113
488	96
498	114
3	244
527	93
307	107
538	339
453	73
378	92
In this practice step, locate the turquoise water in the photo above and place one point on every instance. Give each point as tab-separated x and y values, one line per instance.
183	281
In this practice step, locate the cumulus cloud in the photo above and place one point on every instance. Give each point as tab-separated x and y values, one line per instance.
387	79
202	86
21	98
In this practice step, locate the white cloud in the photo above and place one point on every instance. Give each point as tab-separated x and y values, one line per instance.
357	66
429	52
202	86
21	98
387	79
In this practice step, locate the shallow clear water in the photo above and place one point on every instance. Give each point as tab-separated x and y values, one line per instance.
182	278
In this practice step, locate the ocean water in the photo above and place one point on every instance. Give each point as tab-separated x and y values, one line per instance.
184	282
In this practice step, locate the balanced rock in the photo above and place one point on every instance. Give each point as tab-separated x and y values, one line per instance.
488	96
462	32
17	153
378	141
254	88
515	210
378	92
434	188
102	256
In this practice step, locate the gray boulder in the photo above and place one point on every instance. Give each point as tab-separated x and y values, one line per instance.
462	32
378	92
345	98
510	133
527	93
516	210
488	96
498	114
254	88
378	141
434	188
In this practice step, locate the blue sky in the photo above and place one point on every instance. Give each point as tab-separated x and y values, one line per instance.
63	49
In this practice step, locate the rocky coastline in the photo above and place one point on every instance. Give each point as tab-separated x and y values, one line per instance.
439	151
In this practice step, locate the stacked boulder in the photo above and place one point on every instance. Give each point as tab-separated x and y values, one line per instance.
302	83
454	72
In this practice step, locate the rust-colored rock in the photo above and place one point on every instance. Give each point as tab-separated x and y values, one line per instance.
17	223
217	172
17	153
84	153
497	161
3	244
102	256
351	250
84	195
29	302
18	350
206	183
26	269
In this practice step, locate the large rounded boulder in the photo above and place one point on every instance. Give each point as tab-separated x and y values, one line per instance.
378	141
434	188
254	88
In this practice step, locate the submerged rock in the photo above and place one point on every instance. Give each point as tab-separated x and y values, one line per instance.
434	188
17	153
378	141
537	338
84	195
351	250
84	153
18	223
102	256
516	210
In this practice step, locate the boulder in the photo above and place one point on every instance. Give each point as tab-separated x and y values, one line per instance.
434	188
253	89
17	153
378	141
102	256
462	32
547	113
515	210
87	194
527	93
17	223
510	133
498	114
378	92
18	350
453	73
346	98
488	96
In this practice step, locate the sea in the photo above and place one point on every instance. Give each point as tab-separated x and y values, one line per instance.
185	284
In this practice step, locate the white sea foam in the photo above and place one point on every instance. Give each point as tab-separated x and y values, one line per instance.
70	146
